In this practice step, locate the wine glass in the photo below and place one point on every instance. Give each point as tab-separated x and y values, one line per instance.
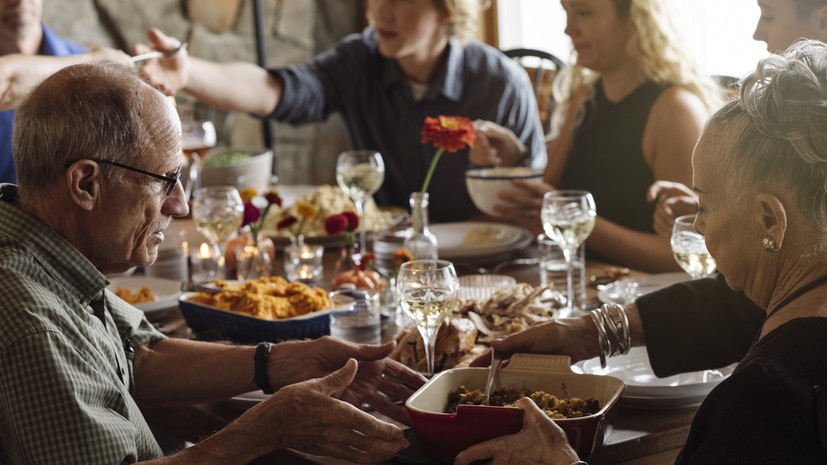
568	219
689	248
218	212
427	290
360	173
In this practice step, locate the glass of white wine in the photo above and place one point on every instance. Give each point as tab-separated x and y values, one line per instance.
360	173
218	212
689	248
568	219
427	290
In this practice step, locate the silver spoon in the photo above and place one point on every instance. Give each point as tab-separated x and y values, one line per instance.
496	360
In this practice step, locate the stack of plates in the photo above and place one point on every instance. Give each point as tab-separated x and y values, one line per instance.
481	286
645	390
627	290
170	264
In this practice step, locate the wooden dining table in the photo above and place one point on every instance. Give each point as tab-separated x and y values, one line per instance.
637	436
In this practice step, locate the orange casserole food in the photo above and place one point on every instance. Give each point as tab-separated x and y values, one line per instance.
270	298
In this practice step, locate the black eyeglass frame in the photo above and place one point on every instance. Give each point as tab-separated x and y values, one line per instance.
170	181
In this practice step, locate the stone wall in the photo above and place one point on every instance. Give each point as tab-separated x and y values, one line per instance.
223	30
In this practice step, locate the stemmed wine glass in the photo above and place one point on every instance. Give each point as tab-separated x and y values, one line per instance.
218	212
568	219
427	290
689	248
360	173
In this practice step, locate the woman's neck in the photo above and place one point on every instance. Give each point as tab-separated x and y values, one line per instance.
619	83
811	303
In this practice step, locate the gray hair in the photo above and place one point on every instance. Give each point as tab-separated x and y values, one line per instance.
101	110
779	125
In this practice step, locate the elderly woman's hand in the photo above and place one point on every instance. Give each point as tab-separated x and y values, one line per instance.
375	382
495	145
540	441
673	200
304	416
575	337
168	74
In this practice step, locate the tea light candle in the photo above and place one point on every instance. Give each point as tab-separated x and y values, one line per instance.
204	264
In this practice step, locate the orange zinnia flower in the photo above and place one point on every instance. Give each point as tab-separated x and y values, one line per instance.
449	133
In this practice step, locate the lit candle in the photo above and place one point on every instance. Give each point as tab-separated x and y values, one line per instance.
205	251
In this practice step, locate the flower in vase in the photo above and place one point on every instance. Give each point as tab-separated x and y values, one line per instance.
449	133
305	210
345	224
400	256
253	217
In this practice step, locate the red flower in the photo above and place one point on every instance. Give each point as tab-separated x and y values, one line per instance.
450	133
336	224
352	220
287	222
367	261
251	214
272	197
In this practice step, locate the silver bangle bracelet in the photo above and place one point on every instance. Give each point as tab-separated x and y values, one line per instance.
614	335
579	462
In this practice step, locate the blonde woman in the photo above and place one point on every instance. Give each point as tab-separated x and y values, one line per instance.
416	59
631	108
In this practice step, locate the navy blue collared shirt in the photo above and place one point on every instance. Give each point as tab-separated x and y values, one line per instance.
52	45
379	110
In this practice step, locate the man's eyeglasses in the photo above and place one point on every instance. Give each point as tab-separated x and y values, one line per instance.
171	181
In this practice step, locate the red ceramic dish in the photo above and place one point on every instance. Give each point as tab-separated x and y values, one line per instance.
442	436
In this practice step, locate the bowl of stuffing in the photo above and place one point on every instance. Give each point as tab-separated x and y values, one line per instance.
484	184
264	309
448	416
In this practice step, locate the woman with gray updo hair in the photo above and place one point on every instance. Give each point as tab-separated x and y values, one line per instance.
760	171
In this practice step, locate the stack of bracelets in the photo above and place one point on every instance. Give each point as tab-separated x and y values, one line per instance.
613	334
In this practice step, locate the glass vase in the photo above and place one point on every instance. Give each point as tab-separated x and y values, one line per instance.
348	259
420	241
255	259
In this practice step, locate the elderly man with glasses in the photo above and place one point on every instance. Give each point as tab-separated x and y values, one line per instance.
98	153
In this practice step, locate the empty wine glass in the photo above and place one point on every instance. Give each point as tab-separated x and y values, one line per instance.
360	173
689	248
568	219
218	212
427	290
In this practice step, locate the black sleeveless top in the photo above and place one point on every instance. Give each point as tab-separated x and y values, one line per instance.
606	157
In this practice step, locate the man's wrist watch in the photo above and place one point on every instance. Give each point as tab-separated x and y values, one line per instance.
260	376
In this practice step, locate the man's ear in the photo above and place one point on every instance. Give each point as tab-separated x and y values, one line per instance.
83	180
771	217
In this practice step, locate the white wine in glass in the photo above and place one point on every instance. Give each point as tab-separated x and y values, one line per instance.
360	173
427	291
689	248
218	212
568	218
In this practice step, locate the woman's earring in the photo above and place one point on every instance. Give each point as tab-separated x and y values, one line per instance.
769	244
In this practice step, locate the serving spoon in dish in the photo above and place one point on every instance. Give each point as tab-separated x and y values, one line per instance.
157	54
496	360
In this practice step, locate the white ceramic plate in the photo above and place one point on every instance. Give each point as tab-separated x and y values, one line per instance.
645	390
450	238
249	399
619	292
166	292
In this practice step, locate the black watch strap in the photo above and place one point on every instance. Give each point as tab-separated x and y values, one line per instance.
261	378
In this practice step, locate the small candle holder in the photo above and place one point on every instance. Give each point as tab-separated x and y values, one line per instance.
303	263
204	263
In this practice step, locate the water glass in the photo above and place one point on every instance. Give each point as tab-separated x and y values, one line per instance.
359	321
303	263
554	269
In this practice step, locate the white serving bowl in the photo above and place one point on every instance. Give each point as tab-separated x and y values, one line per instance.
256	170
484	184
